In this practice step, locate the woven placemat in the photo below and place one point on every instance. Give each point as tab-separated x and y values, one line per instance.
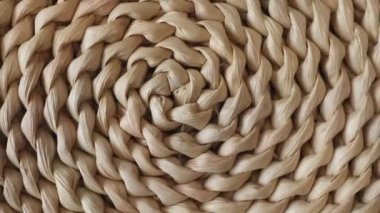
190	106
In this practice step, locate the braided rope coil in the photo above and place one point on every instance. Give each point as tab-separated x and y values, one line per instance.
190	106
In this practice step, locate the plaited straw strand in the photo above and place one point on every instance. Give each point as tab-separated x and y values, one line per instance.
190	106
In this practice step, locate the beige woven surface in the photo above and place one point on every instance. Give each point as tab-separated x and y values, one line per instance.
190	106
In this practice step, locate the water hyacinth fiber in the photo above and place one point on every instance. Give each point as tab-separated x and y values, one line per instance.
188	106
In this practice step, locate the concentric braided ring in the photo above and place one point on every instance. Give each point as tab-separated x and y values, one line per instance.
190	106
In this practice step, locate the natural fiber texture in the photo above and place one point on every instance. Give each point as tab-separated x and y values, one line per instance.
190	106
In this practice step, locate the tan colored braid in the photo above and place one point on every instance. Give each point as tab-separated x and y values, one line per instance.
369	200
189	106
334	116
25	177
360	106
313	88
49	196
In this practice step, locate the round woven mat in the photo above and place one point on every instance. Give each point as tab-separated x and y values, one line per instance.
190	106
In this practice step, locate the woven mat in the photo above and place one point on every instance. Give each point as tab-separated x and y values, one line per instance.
190	106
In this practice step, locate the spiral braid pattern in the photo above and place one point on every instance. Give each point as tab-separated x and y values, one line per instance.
190	106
